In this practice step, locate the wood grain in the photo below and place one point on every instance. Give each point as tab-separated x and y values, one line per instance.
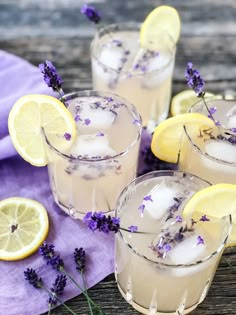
55	30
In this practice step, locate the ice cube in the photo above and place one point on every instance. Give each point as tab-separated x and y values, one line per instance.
92	146
98	118
162	197
222	150
111	56
231	123
188	251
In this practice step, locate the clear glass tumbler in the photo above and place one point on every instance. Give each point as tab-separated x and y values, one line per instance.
212	155
156	277
143	77
103	158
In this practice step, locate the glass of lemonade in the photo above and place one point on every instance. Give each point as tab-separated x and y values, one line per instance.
167	265
103	158
144	77
212	155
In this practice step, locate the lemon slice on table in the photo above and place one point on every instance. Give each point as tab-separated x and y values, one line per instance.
29	115
163	18
216	202
23	227
166	140
182	101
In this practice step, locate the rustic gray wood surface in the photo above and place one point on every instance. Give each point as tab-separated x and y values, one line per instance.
55	30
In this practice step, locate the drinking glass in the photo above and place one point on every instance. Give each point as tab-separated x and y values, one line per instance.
103	158
212	155
143	77
175	280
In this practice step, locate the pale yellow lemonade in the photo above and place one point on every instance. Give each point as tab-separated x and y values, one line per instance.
175	280
121	66
103	158
212	155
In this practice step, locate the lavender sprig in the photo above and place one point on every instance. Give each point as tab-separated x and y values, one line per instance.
91	13
51	77
57	263
99	221
196	82
56	290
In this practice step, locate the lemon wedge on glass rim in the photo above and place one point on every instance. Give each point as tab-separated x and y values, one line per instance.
215	202
166	139
29	115
183	100
162	19
23	227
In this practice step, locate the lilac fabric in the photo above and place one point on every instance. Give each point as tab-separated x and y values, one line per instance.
18	178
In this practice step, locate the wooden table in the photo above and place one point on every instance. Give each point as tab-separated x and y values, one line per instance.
55	30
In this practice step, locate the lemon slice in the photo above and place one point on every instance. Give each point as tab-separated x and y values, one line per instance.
26	119
182	101
216	202
166	138
23	227
163	18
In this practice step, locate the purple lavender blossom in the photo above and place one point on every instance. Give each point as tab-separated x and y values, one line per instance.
57	289
233	130
167	248
77	117
57	263
178	218
148	198
141	208
194	79
46	250
80	259
67	136
91	13
51	77
87	121
133	228
200	240
204	218
33	278
213	110
99	221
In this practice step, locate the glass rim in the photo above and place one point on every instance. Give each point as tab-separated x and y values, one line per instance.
129	26
87	93
195	146
159	262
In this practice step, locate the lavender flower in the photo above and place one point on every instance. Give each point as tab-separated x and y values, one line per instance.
57	289
148	198
51	77
67	136
178	218
194	80
46	250
87	121
48	253
200	240
57	263
98	221
141	208
133	228
233	130
80	259
204	218
33	278
91	13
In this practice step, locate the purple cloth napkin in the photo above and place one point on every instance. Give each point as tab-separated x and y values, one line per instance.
18	178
